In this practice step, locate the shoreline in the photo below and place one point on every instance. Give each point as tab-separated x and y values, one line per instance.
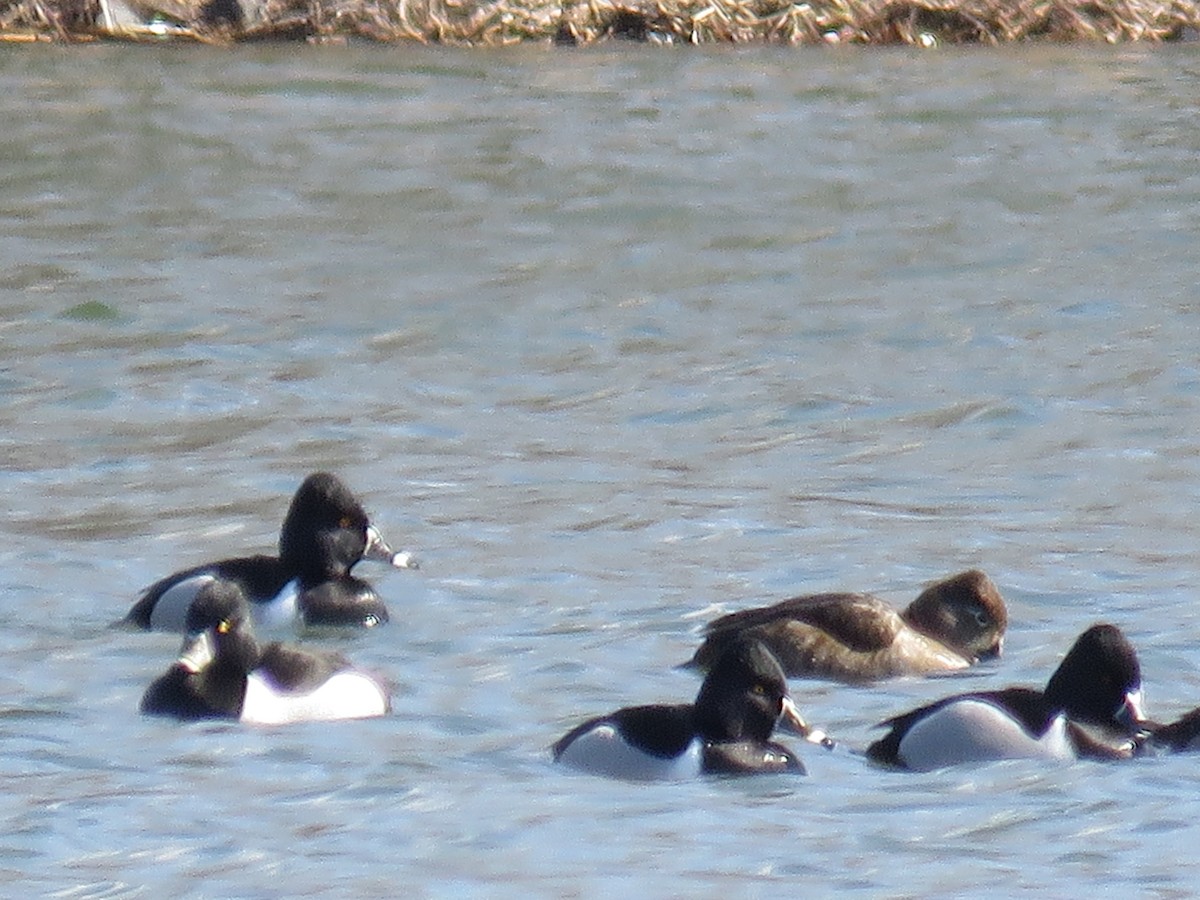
924	23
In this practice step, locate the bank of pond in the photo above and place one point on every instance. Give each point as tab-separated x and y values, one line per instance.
923	23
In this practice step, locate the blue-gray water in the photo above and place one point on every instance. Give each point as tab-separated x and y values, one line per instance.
616	340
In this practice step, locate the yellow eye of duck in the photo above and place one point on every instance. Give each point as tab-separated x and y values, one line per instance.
224	626
345	522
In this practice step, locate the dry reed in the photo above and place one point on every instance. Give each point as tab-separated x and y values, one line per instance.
502	22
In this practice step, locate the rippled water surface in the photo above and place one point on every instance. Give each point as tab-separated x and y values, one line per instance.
616	340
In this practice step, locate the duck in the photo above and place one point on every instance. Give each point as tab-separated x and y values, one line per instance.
1091	708
1180	736
224	673
726	731
852	637
325	533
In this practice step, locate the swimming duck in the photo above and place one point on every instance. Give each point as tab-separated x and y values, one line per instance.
726	731
326	532
1181	736
1091	708
223	673
858	637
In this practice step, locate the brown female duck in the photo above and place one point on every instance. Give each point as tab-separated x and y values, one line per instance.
858	637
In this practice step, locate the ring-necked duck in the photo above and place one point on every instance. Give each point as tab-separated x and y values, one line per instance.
223	673
325	533
858	637
726	731
1091	708
1181	736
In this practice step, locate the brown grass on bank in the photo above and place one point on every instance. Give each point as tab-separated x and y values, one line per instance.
501	22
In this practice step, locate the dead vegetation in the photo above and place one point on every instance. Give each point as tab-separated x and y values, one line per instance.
582	22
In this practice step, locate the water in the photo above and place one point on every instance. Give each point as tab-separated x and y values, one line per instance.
617	340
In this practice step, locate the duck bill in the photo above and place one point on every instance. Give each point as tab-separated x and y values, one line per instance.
198	651
791	720
378	550
1131	713
993	652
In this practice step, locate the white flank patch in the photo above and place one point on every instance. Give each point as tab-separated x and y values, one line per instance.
170	612
602	751
978	731
280	613
346	695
